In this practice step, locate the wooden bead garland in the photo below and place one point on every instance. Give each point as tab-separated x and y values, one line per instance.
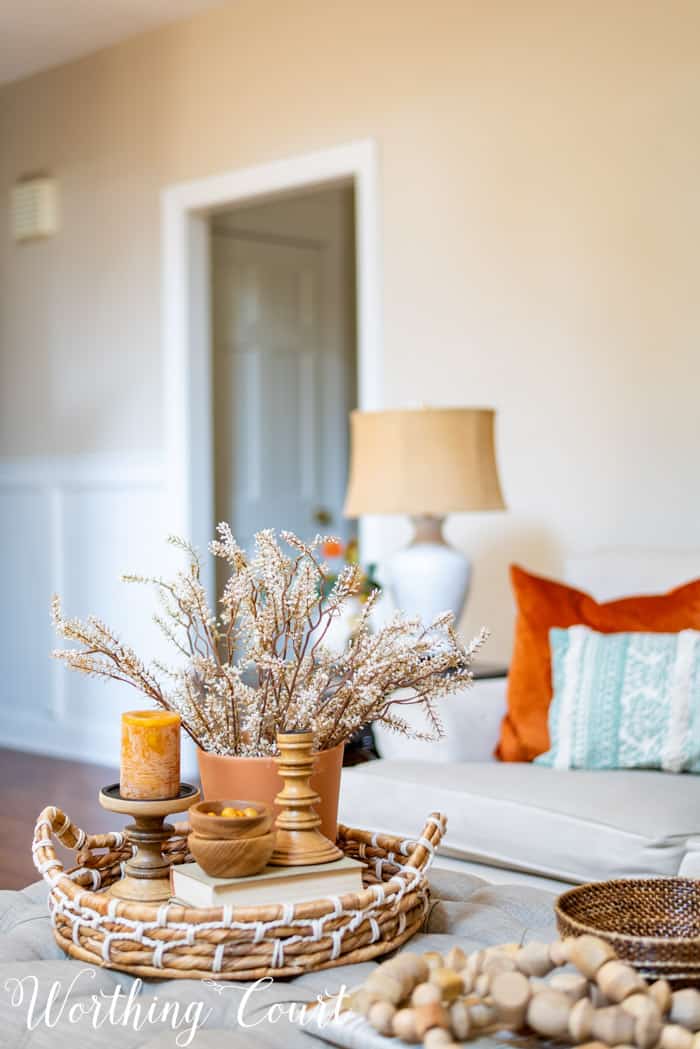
445	1001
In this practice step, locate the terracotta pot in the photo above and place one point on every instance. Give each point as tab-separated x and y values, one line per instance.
257	779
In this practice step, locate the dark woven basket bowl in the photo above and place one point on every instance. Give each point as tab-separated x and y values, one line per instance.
653	924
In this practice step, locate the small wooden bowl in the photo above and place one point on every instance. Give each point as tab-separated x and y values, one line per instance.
232	857
218	827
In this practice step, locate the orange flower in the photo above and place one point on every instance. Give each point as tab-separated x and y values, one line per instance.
332	548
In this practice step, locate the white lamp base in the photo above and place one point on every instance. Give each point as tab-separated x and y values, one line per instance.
429	576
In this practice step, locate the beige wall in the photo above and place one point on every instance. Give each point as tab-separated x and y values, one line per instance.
540	221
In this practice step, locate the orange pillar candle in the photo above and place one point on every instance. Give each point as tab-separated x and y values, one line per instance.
150	760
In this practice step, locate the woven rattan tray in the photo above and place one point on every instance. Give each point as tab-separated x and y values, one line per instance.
652	923
242	943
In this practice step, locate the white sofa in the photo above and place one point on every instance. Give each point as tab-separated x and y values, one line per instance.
523	823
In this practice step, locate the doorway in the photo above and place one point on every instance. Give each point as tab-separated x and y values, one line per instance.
284	362
187	210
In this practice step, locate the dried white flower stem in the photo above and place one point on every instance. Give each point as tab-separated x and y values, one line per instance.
261	665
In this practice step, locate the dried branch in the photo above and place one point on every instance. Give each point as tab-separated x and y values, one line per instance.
262	665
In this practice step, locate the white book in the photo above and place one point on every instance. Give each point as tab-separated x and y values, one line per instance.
190	885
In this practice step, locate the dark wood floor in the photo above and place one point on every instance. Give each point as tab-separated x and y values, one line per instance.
28	783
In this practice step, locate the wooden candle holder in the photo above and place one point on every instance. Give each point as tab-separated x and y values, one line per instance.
147	873
299	840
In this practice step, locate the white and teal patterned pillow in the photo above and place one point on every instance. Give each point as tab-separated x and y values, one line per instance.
624	701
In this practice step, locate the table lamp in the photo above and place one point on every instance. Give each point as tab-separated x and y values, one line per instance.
425	462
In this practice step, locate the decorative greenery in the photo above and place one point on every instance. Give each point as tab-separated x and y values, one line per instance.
260	666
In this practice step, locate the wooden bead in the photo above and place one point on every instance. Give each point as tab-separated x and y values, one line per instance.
460	1023
481	1015
510	992
360	1001
495	961
558	953
411	966
404	1025
685	1008
648	1019
533	959
425	994
660	991
433	1014
437	1038
673	1036
548	1014
647	1029
467	981
434	960
612	1025
502	948
499	963
593	1045
385	987
588	953
696	1041
508	950
396	974
474	963
581	1020
641	1005
455	959
572	984
617	980
448	982
381	1016
482	985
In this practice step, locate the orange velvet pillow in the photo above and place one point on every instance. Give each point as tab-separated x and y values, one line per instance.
541	604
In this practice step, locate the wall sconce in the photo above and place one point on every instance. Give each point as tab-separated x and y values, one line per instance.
34	208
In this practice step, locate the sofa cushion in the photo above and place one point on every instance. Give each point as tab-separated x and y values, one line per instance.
471	720
573	825
624	701
543	604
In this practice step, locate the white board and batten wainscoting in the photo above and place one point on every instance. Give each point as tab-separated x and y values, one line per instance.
73	526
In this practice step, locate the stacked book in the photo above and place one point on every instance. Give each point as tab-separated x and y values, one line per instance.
191	886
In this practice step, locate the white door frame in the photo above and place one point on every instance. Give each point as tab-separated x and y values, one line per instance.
185	211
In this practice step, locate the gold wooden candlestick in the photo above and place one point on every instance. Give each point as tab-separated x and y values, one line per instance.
299	840
147	873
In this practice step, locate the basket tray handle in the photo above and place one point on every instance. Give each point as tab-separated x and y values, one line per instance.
418	852
52	824
422	855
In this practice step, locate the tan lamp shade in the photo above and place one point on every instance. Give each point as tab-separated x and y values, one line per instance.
423	461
